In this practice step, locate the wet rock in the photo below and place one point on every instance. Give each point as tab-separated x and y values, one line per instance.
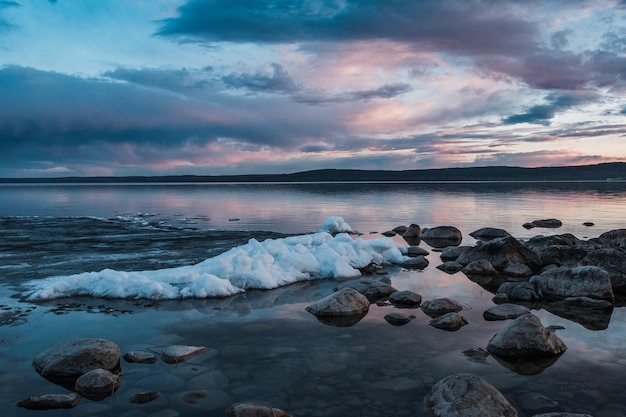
547	223
194	396
389	233
450	267
397	319
562	255
614	238
442	236
414	251
520	291
373	289
489	233
449	322
614	262
75	358
505	312
400	229
413	231
517	271
97	384
140	357
500	298
181	353
440	306
466	395
254	410
405	299
417	262
583	281
345	302
50	401
479	355
501	252
451	253
589	224
541	241
479	267
144	397
526	337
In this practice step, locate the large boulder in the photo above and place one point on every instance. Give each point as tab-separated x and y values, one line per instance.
582	281
614	262
373	289
614	238
342	308
468	396
72	359
440	306
442	236
526	337
501	252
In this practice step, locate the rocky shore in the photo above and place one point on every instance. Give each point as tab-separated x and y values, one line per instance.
580	280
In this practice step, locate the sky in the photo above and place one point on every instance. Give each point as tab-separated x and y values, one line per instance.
215	87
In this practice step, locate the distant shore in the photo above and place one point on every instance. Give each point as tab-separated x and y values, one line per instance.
613	172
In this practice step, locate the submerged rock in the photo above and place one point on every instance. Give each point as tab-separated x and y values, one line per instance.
449	321
181	353
466	395
525	337
140	357
77	357
50	401
440	306
144	397
254	410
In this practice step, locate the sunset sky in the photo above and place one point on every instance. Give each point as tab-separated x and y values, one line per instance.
166	87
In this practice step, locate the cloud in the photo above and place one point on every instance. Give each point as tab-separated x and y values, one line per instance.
4	24
167	79
385	91
468	26
277	82
542	113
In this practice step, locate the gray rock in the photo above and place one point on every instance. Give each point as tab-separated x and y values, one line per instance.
525	337
181	353
541	241
451	253
412	231
397	319
373	289
405	299
450	267
97	384
520	291
562	255
140	357
73	359
416	251
501	252
489	233
517	270
547	223
614	238
50	401
417	262
583	281
345	302
468	396
400	229
442	236
389	233
505	312
614	262
449	322
440	306
254	410
479	267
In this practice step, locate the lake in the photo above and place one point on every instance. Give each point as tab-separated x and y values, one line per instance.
271	350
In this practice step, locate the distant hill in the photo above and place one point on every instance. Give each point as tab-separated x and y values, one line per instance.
599	172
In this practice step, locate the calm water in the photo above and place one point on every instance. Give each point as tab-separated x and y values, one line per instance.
271	350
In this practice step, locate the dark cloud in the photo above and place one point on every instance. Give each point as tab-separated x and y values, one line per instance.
559	39
277	82
385	91
542	113
4	24
174	80
623	110
476	26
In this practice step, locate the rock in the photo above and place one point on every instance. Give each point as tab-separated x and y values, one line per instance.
478	355
614	238
412	231
140	357
466	395
400	229
75	358
414	251
50	401
97	384
505	312
144	397
517	271
440	306
520	291
479	267
373	289
254	410
397	319
614	262
389	233
405	299
525	337
502	252
562	255
589	224
442	236
500	298
528	225
591	313
451	253
418	262
449	321
345	302
489	233
194	396
547	223
181	353
583	281
450	267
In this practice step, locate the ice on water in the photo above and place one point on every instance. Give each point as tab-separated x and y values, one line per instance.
329	253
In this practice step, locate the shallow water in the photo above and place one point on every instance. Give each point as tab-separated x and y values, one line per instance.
270	349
